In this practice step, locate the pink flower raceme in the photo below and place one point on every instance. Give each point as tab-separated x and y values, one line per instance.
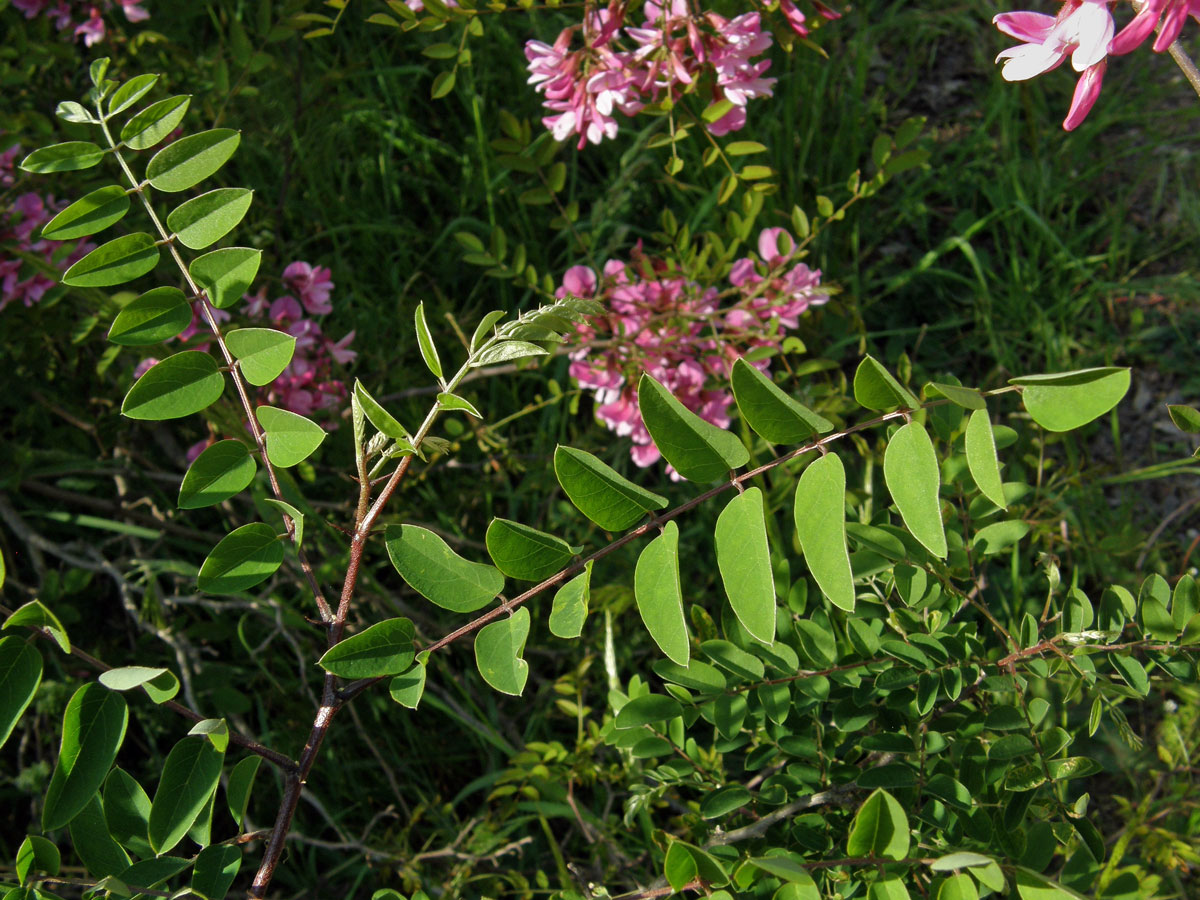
85	19
678	331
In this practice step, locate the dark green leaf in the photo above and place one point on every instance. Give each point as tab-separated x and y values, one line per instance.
507	351
206	219
36	853
723	801
733	658
291	438
152	873
875	388
600	492
154	123
1132	671
189	778
35	614
89	214
128	94
910	469
20	675
880	828
245	557
699	450
498	649
93	729
68	157
570	608
744	561
156	316
226	274
241	782
100	853
1186	418
967	398
218	473
292	513
127	812
380	417
116	262
659	596
525	553
771	412
191	159
1067	400
386	648
216	868
646	710
178	386
486	324
786	869
262	353
437	573
407	688
820	515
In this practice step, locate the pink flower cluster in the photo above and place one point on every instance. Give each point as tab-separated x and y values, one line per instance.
622	68
1085	31
20	280
85	19
307	385
680	333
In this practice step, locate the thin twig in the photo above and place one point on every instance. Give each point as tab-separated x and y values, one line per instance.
1190	72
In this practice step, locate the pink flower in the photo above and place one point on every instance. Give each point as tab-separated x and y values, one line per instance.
257	304
340	351
145	366
134	11
286	309
92	30
313	284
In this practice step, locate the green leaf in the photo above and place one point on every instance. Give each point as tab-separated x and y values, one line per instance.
89	214
127	812
154	122
455	402
958	887
386	648
97	70
888	889
156	316
93	729
218	473
206	219
152	873
723	801
407	688
507	351
486	324
679	867
36	853
659	596
880	828
570	607
525	553
875	388
70	111
498	649
820	514
380	417
190	160
962	860
1032	886
226	274
442	84
292	513
116	262
437	573
100	853
262	353
425	342
699	450
771	412
910	469
291	438
981	457
35	614
733	658
245	557
178	386
1067	400
130	93
160	684
999	536
788	870
648	709
1186	418
68	157
190	775
241	782
1072	767
967	398
216	868
600	492
20	675
744	560
216	731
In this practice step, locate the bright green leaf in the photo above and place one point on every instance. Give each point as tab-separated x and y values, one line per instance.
498	649
127	812
570	608
190	775
160	684
1032	886
600	492
455	402
910	469
191	159
156	316
659	596
130	93
292	513
262	353
154	122
880	828
204	220
216	731
386	648
999	536
679	867
437	573
291	438
20	675
226	274
116	262
241	782
425	342
1067	400
216	868
888	889
1186	418
68	157
820	514
93	729
525	553
770	411
961	860
507	351
35	614
647	710
218	473
89	214
245	557
37	853
699	450
958	887
101	854
178	386
380	417
744	561
875	388
967	398
981	457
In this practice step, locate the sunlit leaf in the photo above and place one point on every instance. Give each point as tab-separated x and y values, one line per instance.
600	492
820	515
190	775
437	573
291	438
875	388
218	473
744	561
1068	400
35	614
67	157
20	675
89	214
525	553
880	828
160	684
92	842
771	412
127	812
204	220
130	93
216	868
262	353
178	386
385	648
154	123
570	607
659	595
981	457
498	649
93	729
910	469
241	782
191	159
425	343
226	274
408	687
120	260
699	450
157	315
380	417
245	557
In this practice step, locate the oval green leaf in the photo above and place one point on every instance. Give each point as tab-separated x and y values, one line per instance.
206	219
93	729
386	648
507	351
981	457
245	557
525	553
699	450
218	473
91	213
116	262
1067	400
190	776
407	688
648	709
383	420
744	561
36	853
659	596
291	439
880	828
130	93
178	386
820	514
875	388
156	316
425	342
437	573
600	492
241	782
498	649
36	614
570	607
770	411
910	469
20	675
154	122
190	160
226	274
127	812
96	847
262	353
67	157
